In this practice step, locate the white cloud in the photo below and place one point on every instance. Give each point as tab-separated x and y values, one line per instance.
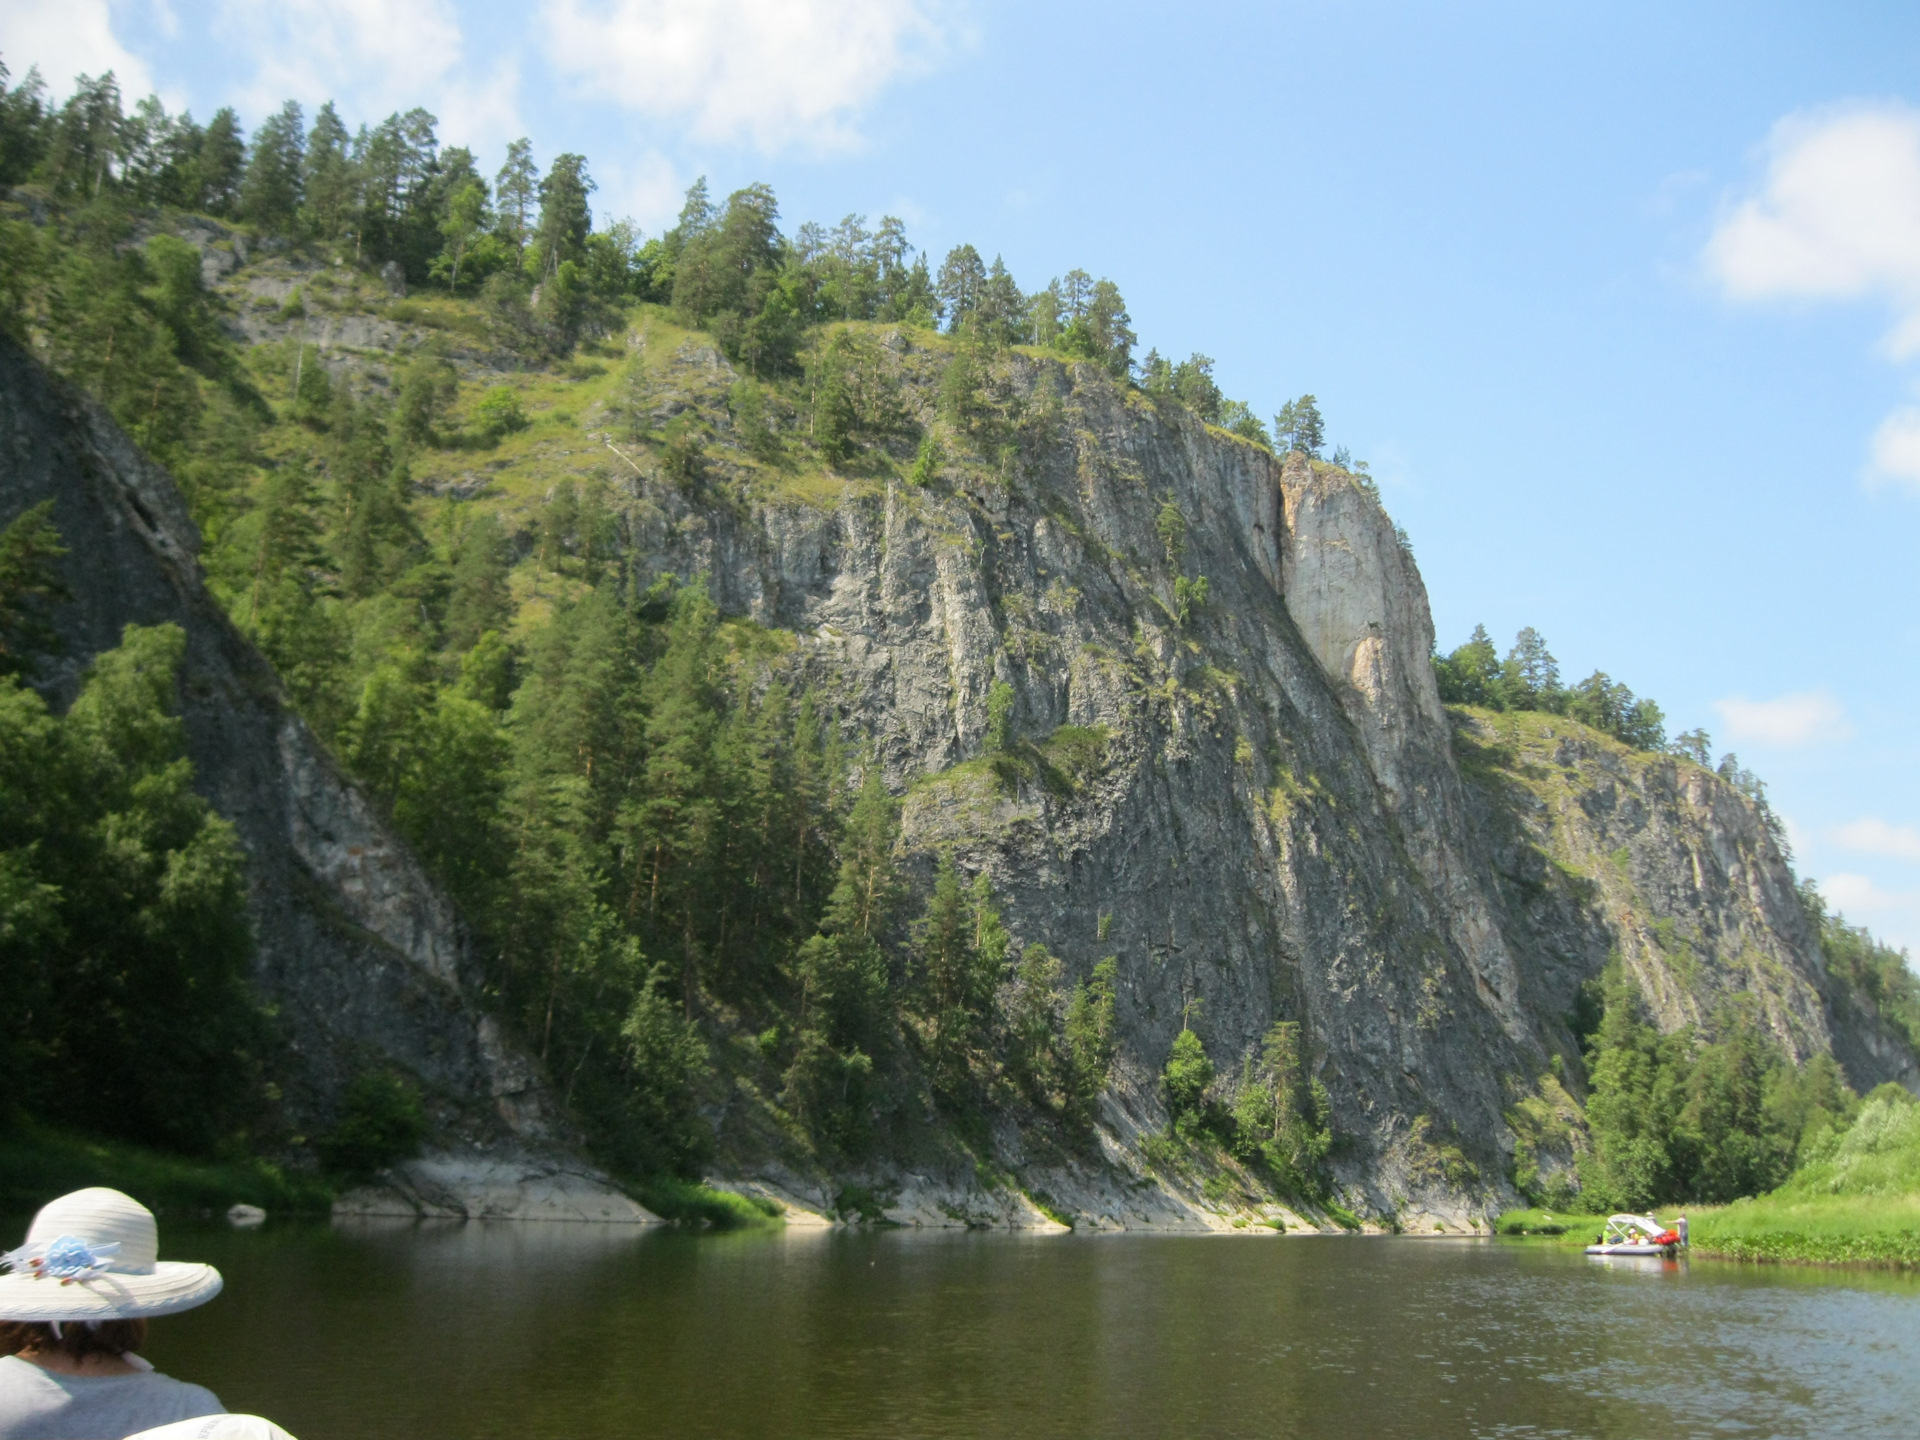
1806	718
1858	895
374	57
773	73
66	38
644	186
1871	835
1837	215
1895	453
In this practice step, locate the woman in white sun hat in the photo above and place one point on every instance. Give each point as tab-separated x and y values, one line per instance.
74	1309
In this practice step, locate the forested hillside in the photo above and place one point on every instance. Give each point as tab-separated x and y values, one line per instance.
495	488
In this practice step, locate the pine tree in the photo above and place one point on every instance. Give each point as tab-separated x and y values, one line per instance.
480	599
565	219
328	180
516	188
29	584
1090	1036
963	280
841	975
270	193
220	165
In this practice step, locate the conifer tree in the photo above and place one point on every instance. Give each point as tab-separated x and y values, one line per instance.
328	181
220	164
480	600
963	280
516	189
270	192
841	976
564	217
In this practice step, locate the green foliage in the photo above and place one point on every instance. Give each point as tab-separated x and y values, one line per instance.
428	386
927	463
1854	1200
1677	1116
1299	426
1170	524
125	943
499	413
669	1061
961	948
1529	679
1879	977
29	584
1187	1076
1000	700
689	1203
381	1122
1280	1114
1033	1021
37	1160
1090	1036
842	975
748	403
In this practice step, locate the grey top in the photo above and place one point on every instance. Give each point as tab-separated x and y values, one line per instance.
37	1404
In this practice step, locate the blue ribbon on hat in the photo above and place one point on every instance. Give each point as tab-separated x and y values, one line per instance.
65	1258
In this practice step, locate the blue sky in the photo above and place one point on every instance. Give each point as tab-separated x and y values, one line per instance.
1619	301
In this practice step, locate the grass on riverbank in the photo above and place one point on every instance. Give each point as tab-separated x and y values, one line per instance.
1856	1201
37	1164
687	1203
1827	1230
1549	1225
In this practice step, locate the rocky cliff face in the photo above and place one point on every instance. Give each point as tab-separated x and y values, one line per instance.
1245	789
1284	822
363	961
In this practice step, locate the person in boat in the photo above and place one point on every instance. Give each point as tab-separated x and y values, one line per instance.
73	1315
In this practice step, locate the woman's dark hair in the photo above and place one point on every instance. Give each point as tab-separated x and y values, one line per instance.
77	1339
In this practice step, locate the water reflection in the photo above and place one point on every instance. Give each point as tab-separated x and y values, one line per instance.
577	1331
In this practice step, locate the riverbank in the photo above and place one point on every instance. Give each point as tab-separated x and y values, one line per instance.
1812	1230
37	1163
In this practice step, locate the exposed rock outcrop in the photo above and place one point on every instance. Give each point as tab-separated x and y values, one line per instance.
1231	770
1280	826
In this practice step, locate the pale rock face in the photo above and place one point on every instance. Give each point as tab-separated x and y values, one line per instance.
469	1187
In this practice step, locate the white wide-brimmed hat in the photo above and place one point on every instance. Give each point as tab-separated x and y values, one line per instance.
95	1255
216	1427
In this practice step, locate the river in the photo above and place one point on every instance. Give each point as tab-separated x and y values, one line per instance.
549	1332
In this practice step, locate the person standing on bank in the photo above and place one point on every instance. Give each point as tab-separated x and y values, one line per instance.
73	1312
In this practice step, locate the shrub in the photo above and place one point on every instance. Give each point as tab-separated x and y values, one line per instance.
381	1122
500	413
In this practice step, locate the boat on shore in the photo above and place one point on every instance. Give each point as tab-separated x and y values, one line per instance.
1635	1235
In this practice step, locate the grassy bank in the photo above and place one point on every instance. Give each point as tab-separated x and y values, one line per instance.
692	1204
36	1164
1818	1230
1855	1201
1549	1225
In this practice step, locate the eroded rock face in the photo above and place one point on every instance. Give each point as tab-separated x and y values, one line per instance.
1253	800
364	962
1280	827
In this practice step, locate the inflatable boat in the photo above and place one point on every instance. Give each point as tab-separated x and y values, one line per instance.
1634	1235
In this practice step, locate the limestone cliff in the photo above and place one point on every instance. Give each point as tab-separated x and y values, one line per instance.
1284	822
1245	789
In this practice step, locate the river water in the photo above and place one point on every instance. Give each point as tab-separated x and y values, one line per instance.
551	1332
